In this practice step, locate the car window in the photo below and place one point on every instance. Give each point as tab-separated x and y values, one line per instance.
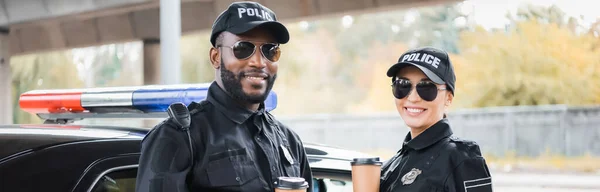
331	185
117	181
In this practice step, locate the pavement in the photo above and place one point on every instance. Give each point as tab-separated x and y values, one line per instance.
548	182
541	189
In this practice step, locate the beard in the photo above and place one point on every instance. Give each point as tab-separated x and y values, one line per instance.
233	85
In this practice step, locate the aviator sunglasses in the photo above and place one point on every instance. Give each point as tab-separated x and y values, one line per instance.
245	49
427	90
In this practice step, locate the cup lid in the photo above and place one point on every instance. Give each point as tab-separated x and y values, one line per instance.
366	161
291	183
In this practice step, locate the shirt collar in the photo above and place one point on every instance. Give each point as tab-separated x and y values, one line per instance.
228	106
438	131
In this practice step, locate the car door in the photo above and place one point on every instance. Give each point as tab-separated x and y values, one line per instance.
122	179
118	174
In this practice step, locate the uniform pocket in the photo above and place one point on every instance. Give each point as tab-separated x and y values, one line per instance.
419	185
433	186
230	168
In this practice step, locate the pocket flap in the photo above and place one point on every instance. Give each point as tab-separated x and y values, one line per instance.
230	168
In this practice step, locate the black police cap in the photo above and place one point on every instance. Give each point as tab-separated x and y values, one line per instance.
244	16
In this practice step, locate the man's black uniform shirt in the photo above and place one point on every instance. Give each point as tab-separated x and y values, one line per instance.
235	150
436	161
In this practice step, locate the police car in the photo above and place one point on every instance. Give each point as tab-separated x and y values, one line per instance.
60	155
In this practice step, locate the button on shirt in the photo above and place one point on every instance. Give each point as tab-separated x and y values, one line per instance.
436	161
235	150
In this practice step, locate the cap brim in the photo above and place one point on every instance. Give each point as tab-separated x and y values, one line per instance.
279	31
430	74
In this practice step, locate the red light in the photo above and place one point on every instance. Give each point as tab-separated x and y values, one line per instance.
39	102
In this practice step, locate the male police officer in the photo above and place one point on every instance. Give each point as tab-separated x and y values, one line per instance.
237	145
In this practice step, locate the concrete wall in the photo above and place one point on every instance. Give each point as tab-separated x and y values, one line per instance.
6	108
527	131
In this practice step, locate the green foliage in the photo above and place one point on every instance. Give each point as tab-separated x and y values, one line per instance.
536	62
41	71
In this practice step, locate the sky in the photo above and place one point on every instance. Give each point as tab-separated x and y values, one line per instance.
491	13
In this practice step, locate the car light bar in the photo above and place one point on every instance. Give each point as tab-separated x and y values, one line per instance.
126	101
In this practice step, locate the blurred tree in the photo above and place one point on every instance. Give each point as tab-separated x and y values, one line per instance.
53	70
324	63
353	40
440	27
379	95
534	63
195	63
306	77
594	30
110	65
127	65
551	14
336	64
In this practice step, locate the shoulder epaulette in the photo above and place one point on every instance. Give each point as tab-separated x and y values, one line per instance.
197	107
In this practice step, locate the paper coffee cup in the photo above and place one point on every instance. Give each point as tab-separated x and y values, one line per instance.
291	184
366	174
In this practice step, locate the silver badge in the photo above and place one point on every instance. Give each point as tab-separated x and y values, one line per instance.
410	177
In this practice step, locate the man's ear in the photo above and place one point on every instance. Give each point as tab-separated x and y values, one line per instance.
215	57
449	98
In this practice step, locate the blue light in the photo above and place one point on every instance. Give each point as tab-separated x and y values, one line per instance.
158	99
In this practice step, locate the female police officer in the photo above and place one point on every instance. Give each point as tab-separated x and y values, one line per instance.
430	159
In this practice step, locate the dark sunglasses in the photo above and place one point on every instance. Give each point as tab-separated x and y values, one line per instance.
245	49
427	90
